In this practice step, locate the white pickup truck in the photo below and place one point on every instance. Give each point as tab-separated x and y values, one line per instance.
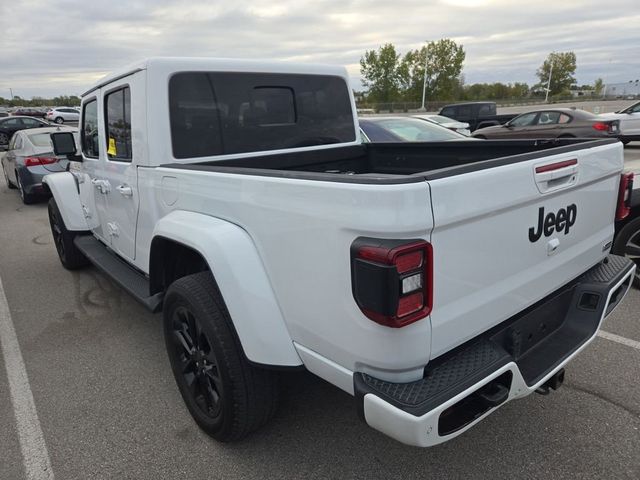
432	281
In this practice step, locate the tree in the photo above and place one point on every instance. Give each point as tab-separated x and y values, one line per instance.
598	86
444	60
380	73
562	75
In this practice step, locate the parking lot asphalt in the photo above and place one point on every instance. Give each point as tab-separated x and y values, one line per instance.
108	407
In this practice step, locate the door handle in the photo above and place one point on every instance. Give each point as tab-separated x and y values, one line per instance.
125	190
102	185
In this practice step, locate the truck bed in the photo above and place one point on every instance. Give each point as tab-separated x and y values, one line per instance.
393	163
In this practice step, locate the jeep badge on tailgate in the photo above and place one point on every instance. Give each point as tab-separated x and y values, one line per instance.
563	220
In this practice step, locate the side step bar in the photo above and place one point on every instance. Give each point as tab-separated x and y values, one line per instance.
133	281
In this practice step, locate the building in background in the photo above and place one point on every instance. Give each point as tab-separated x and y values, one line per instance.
630	89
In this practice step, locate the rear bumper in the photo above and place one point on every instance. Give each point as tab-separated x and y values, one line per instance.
510	361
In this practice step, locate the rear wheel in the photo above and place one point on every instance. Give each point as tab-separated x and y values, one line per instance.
627	243
70	256
4	139
6	179
27	198
227	397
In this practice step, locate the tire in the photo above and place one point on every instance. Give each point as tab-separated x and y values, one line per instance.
226	396
59	120
27	198
4	139
627	244
10	185
70	257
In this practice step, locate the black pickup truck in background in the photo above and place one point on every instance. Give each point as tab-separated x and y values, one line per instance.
476	114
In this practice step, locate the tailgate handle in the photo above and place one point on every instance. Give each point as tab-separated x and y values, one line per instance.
556	175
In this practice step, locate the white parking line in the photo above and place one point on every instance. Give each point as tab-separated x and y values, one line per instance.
618	339
35	457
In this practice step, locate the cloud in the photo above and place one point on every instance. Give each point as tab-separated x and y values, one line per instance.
61	47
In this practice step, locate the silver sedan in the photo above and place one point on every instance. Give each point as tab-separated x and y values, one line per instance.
29	158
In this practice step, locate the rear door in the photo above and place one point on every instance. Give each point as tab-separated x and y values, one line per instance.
505	237
120	172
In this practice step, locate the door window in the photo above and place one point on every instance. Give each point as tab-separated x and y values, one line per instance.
524	120
548	118
31	123
12	123
89	130
118	124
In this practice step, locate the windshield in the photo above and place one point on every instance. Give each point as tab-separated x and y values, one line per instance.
413	130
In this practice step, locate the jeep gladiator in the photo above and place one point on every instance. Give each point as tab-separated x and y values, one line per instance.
434	282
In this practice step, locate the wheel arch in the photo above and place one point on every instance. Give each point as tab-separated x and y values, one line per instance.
187	242
64	189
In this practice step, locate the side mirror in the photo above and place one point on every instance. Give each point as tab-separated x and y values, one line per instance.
64	144
507	125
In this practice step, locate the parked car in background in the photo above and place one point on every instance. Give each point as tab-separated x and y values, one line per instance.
555	123
29	158
476	114
10	125
29	111
459	127
4	114
405	129
626	241
629	119
64	114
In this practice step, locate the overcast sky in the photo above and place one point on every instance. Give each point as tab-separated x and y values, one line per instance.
54	47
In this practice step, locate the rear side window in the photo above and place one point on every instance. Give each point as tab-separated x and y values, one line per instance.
448	112
89	130
225	113
117	107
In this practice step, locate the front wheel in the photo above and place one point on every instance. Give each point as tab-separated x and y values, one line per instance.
70	256
627	243
227	397
59	120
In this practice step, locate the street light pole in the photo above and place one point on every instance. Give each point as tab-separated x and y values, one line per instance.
424	82
11	92
546	97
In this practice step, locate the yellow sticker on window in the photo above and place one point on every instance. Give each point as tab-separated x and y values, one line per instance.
112	147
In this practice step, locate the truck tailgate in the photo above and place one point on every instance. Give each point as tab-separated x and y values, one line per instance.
507	236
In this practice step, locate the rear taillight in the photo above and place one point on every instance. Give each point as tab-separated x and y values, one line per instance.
36	161
392	279
624	196
604	126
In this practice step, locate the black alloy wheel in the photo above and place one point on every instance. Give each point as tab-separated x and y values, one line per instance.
70	256
226	395
627	243
197	362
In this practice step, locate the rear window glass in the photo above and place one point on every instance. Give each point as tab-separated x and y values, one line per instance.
40	139
225	113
